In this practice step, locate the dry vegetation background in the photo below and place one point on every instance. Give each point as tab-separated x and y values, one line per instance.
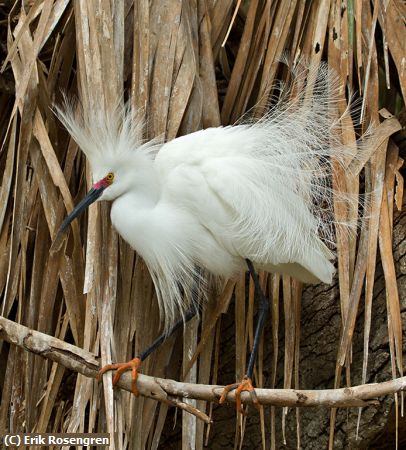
166	57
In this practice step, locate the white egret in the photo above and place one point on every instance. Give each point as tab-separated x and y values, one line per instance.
214	201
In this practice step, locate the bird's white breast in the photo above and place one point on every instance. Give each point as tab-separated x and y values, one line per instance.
167	232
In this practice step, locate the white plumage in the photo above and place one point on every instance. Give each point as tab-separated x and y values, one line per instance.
257	190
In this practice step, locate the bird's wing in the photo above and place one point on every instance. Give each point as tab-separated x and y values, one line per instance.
249	200
270	180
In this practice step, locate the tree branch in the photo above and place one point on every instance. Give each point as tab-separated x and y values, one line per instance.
172	392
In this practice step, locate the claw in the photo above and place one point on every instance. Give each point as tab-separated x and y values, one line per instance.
244	385
120	369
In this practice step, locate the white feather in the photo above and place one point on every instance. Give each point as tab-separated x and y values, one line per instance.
215	197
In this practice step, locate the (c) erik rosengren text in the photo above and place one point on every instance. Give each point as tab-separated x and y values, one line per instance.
19	439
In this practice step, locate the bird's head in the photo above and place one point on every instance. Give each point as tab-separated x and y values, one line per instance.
101	188
126	173
112	142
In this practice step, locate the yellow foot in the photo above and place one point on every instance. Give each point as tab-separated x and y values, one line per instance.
244	385
120	369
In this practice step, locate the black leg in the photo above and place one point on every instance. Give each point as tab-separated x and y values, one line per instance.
188	316
158	341
246	383
134	364
262	315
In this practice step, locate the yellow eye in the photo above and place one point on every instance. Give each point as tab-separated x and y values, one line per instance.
110	177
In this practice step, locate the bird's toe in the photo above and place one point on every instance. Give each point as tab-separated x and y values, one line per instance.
120	368
244	386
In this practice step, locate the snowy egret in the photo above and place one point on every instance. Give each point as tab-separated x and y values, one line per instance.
216	201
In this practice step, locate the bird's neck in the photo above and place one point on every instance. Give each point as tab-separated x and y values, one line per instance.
147	188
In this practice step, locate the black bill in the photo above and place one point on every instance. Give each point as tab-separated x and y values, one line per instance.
90	198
